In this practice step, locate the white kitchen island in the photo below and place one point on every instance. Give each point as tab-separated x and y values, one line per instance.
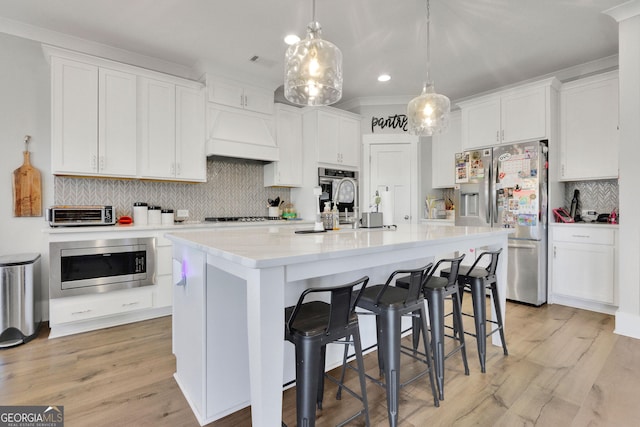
231	287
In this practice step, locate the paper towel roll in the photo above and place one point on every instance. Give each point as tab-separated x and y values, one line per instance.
386	207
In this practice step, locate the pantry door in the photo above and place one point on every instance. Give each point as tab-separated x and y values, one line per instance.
393	165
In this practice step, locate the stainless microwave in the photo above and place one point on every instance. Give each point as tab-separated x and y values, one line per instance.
95	266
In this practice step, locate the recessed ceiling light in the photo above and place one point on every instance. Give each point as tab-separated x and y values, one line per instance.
384	77
291	39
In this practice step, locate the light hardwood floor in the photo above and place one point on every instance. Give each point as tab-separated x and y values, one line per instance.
565	368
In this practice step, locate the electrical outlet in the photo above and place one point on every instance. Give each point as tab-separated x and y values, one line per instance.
183	213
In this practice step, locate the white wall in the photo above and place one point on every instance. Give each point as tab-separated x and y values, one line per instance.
24	110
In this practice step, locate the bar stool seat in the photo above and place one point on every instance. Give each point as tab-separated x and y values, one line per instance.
435	290
478	279
310	326
389	304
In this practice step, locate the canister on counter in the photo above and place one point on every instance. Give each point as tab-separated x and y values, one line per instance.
167	216
140	216
154	215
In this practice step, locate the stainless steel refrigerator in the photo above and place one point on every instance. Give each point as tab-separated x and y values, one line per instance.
506	186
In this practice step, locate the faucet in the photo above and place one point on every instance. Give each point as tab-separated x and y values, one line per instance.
354	220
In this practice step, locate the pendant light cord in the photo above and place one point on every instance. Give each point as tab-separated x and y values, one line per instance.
313	14
428	43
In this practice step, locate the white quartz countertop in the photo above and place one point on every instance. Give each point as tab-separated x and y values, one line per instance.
260	247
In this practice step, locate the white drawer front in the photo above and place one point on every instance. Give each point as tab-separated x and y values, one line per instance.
63	310
578	234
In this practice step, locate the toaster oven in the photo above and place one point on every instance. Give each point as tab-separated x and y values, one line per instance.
66	216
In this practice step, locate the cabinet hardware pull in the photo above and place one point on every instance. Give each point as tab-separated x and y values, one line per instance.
128	304
75	313
580	235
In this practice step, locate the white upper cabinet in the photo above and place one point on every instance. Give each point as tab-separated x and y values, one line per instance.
191	160
589	135
287	171
171	131
444	146
93	120
335	134
157	128
240	95
514	115
117	120
117	123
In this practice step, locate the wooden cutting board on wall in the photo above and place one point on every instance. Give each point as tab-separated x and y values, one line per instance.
27	189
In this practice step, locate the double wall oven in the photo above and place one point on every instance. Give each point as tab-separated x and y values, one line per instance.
95	266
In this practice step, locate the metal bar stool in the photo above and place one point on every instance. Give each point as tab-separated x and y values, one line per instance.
435	290
389	304
478	279
310	326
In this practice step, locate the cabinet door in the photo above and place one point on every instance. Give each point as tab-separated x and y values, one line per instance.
524	115
584	271
191	160
481	124
74	117
157	128
589	130
444	146
288	170
258	100
328	137
117	124
349	142
226	93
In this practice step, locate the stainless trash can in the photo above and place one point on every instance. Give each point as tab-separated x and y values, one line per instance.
20	314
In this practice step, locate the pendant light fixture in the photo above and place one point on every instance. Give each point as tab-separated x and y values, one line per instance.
428	113
313	69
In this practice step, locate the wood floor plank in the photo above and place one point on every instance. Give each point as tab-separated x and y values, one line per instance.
565	367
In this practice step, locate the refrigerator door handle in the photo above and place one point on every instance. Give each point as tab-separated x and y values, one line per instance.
487	194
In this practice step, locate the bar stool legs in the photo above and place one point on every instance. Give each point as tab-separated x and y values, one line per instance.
435	298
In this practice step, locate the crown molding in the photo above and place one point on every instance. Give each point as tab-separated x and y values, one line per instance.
624	11
77	44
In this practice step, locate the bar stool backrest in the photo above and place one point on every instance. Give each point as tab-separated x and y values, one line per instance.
493	265
454	268
343	304
417	278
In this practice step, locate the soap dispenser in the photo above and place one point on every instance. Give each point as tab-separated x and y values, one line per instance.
327	216
336	217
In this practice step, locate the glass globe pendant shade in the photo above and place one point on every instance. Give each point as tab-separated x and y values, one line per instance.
428	113
313	70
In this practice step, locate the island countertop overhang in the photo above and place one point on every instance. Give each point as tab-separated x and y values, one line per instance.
270	246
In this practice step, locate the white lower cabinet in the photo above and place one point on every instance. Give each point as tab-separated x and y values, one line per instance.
73	309
583	262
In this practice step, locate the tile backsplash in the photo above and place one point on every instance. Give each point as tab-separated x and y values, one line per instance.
234	187
601	195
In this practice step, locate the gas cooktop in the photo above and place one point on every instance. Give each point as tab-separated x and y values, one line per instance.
241	218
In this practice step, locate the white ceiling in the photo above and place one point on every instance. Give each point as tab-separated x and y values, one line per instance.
477	45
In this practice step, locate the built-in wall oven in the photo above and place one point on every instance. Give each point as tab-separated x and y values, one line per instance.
329	180
95	266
